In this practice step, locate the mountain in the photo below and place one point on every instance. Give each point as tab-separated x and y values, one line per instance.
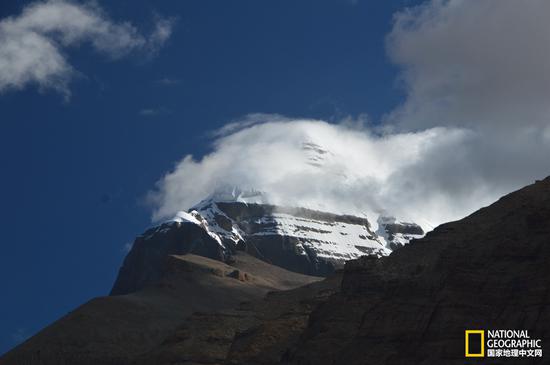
231	248
297	239
487	271
232	219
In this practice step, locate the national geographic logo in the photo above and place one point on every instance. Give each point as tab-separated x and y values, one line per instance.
475	343
501	343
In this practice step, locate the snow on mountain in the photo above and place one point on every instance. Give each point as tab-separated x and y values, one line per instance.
237	219
395	233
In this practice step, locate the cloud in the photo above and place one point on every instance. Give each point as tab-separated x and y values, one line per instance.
162	32
321	166
473	64
473	126
430	176
34	42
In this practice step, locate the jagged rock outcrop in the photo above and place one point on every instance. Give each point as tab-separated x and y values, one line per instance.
142	265
301	240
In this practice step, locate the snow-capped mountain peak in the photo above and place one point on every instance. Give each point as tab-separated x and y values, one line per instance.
282	235
300	239
395	233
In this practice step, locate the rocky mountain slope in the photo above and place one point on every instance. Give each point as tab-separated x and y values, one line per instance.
489	271
224	251
255	332
119	329
297	239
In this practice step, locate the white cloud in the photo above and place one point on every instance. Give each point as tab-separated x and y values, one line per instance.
473	63
356	171
33	43
474	126
162	32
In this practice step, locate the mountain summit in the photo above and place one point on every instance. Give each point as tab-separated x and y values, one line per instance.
301	240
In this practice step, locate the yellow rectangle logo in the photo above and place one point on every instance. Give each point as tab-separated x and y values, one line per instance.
481	334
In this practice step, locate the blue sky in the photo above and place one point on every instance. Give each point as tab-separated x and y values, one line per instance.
76	171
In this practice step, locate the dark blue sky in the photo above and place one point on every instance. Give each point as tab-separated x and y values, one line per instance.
74	173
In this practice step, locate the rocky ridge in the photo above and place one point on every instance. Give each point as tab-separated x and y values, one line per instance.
301	240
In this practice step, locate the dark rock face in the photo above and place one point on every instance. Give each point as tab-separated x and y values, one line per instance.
278	249
142	264
297	247
256	332
296	250
487	271
243	212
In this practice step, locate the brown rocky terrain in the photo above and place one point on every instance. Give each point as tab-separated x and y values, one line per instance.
117	329
487	271
255	332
